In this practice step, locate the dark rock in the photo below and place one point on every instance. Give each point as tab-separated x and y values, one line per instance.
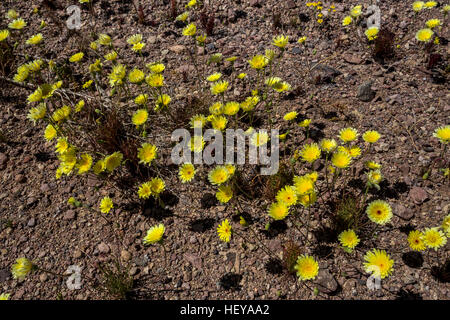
323	74
233	16
365	92
141	261
326	282
4	275
208	200
296	50
210	46
418	195
428	148
403	212
304	17
3	161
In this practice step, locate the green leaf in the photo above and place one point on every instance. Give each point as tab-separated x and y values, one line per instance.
346	249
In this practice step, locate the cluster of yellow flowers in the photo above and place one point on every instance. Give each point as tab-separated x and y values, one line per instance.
144	86
426	34
432	238
154	187
219	176
371	32
319	8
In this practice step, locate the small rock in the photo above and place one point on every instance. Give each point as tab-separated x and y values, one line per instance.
193	259
92	181
323	74
395	98
187	276
365	92
69	215
31	222
151	39
185	69
125	255
4	275
418	195
296	50
193	239
20	178
103	248
178	48
30	201
45	187
3	161
19	293
291	4
210	46
43	277
428	148
77	254
185	286
141	261
353	59
133	271
403	212
326	283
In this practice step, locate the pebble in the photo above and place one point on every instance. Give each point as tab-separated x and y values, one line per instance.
133	271
3	161
326	282
43	277
296	50
31	222
125	255
178	48
103	248
45	187
77	254
403	212
69	215
20	178
365	92
418	195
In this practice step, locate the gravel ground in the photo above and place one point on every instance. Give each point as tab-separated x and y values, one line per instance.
400	97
